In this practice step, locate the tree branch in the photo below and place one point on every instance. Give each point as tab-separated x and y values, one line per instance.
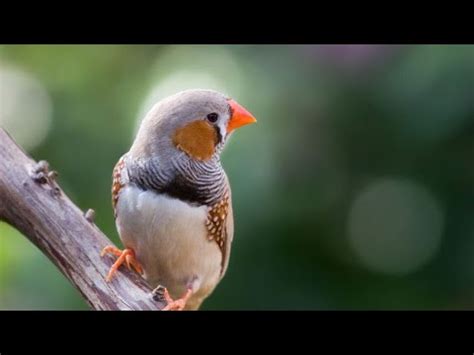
32	202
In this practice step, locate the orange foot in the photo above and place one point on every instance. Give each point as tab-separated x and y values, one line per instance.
127	255
172	305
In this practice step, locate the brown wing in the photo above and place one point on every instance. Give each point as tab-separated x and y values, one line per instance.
117	182
220	227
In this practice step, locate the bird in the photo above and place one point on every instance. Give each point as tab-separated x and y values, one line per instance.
172	198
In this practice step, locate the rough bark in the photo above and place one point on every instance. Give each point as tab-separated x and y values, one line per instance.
32	202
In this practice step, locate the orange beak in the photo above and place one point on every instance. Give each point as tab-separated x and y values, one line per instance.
240	117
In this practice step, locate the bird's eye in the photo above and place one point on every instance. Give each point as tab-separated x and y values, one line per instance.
212	117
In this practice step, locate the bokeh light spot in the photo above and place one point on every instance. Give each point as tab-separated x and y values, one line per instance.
179	68
395	226
25	107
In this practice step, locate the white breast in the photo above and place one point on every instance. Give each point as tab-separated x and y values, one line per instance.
170	239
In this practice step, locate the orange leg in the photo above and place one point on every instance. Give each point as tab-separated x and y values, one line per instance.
127	255
176	305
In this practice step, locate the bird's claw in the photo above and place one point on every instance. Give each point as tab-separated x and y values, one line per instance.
127	255
132	262
175	305
161	293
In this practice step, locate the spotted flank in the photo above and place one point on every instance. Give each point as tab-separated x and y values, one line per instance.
117	183
216	223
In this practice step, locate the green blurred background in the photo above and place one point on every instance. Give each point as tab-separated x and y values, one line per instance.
353	191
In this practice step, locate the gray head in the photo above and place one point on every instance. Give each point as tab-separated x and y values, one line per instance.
196	122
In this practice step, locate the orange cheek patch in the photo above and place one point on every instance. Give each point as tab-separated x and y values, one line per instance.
198	139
